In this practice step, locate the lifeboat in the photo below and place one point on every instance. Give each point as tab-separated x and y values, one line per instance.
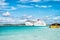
55	25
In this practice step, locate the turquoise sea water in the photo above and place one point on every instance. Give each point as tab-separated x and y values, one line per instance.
29	33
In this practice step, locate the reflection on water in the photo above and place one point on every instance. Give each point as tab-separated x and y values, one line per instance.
29	33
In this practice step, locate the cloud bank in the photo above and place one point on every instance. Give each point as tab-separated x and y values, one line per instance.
6	14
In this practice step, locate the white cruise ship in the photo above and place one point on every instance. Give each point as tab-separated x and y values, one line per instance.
35	23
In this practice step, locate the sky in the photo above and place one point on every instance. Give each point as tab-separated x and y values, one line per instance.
43	9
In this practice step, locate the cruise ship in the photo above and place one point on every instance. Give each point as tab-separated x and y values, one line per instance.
38	22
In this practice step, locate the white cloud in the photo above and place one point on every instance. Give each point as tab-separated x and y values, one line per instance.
29	1
20	21
23	0
3	4
24	6
7	20
56	18
6	14
2	7
2	0
47	18
35	0
8	8
47	0
56	0
11	20
43	6
37	6
30	16
27	16
51	19
13	8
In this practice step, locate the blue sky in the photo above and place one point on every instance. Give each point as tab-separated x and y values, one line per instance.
37	8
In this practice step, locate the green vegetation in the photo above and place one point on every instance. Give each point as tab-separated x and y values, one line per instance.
12	24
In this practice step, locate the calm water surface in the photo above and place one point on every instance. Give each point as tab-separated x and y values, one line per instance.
28	33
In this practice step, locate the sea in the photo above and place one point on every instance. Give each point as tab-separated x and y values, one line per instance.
29	33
